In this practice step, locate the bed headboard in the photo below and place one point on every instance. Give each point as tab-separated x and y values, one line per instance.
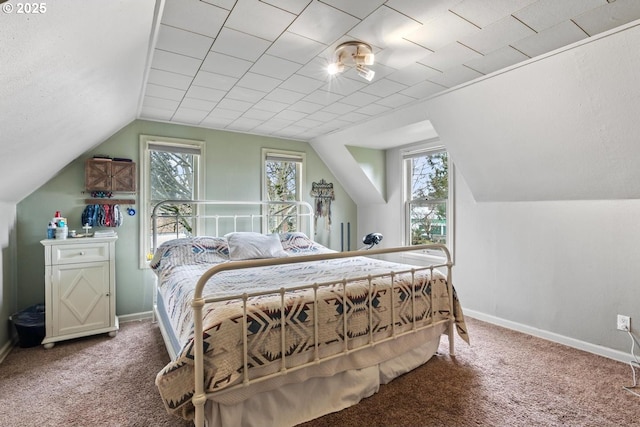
182	218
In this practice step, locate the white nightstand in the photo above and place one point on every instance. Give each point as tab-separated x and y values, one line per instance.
80	288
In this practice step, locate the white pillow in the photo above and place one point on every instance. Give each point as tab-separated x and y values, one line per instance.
249	245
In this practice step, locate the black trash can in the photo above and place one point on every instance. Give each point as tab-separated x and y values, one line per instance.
30	325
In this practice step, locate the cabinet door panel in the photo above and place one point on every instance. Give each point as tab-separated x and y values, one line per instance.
123	176
97	175
82	297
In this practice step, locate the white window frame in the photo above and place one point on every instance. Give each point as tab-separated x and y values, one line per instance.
285	155
426	148
147	141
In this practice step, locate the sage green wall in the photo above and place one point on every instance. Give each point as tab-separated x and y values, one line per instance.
232	172
373	164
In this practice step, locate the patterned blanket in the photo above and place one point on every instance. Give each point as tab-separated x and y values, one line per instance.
180	263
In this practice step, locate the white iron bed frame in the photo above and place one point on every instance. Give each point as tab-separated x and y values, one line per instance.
304	214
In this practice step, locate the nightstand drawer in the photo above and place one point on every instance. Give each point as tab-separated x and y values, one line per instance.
67	254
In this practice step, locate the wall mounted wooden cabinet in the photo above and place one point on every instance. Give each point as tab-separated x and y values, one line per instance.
109	175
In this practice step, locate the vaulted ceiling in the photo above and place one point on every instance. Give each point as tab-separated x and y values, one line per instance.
76	73
260	66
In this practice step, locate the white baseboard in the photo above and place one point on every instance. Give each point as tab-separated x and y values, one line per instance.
551	336
135	316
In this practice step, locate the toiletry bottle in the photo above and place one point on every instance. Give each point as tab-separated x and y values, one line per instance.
51	230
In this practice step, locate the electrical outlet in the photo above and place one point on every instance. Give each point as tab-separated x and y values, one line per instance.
624	323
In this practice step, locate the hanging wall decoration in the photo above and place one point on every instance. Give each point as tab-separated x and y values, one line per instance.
324	195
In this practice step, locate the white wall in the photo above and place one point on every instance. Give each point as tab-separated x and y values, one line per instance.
565	267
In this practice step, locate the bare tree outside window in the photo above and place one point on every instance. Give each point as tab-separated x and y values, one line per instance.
429	193
282	183
172	177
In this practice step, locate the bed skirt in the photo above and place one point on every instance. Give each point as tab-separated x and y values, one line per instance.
297	400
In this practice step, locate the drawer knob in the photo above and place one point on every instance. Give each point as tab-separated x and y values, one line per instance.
81	252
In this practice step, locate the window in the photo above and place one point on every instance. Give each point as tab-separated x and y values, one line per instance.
282	177
171	170
428	187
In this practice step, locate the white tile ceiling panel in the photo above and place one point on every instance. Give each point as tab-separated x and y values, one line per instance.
423	11
497	60
316	69
270	57
223	113
302	84
384	27
290	115
609	16
450	56
169	79
157	113
396	100
244	124
187	115
341	85
545	14
359	99
373	109
234	105
206	93
423	90
215	122
384	87
195	16
483	12
273	106
323	23
259	19
296	48
308	123
271	126
164	92
442	31
245	94
255	113
175	40
412	74
293	6
323	97
402	53
275	67
162	103
258	82
283	95
226	65
240	45
322	116
175	63
455	76
358	8
305	107
339	108
225	4
550	39
354	117
214	81
197	104
495	36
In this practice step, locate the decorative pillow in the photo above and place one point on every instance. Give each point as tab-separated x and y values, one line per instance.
297	243
249	245
190	250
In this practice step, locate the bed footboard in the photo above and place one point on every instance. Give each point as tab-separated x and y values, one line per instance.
444	312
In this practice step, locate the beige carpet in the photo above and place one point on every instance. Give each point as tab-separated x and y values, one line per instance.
503	379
